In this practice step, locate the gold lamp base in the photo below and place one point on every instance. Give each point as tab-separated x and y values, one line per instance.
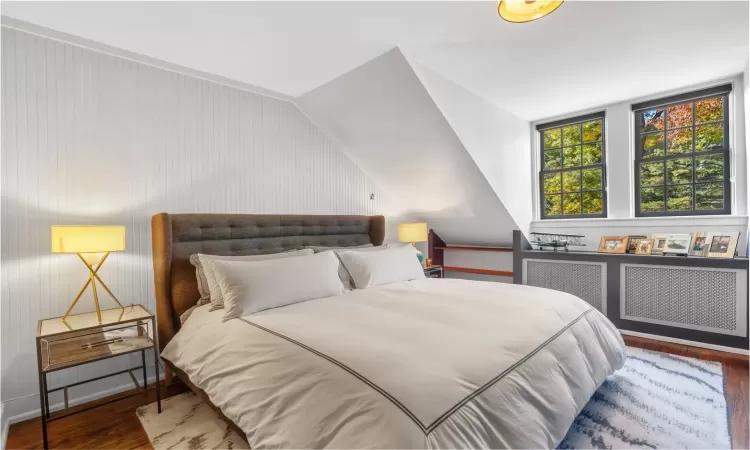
91	259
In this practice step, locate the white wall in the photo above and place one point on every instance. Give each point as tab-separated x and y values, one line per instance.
619	150
386	121
497	141
89	138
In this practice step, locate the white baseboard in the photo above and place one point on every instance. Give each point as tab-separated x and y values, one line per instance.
5	425
31	413
656	337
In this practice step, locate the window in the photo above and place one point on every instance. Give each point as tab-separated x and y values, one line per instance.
572	177
682	154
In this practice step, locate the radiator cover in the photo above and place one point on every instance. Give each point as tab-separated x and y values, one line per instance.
587	280
697	298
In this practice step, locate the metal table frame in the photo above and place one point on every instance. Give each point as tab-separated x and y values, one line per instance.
44	390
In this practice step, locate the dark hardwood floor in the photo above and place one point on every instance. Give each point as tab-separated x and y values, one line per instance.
115	425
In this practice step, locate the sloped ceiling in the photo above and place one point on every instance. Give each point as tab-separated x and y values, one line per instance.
386	120
585	54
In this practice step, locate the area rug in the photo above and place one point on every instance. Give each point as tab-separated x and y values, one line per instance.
186	422
656	400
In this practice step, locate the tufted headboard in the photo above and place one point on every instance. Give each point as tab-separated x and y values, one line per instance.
175	237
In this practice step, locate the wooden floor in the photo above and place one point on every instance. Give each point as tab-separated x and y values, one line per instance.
115	425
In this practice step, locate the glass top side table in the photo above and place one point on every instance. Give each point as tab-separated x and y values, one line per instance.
82	339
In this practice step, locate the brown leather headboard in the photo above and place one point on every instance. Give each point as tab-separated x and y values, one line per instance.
175	237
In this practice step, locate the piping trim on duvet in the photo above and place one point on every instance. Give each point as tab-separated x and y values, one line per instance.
429	428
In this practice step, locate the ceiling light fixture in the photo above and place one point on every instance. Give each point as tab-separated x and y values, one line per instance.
520	11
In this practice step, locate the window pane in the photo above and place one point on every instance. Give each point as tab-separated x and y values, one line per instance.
709	110
592	202
709	136
572	135
571	181
652	199
571	204
709	196
552	159
680	141
552	205
652	174
652	120
592	131
552	138
680	115
592	179
680	171
652	144
592	154
551	183
680	198
572	156
709	168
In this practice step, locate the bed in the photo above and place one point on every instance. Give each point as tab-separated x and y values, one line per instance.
420	364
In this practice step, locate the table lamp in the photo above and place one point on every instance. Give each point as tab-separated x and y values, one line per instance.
92	244
413	232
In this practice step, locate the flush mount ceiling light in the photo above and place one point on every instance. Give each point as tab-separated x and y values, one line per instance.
520	11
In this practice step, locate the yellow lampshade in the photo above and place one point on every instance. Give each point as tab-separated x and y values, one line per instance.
519	11
412	232
87	238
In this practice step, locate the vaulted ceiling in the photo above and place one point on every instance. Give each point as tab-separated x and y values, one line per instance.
584	55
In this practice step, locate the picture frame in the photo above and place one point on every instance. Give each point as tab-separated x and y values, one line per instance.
660	240
677	244
633	242
699	244
613	244
722	244
644	247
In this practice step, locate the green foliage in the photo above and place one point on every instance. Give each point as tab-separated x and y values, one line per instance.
571	181
592	154
652	144
652	199
551	183
709	168
592	131
652	174
680	141
592	179
552	205
552	138
571	135
709	196
680	198
572	156
709	136
592	202
680	171
552	159
571	204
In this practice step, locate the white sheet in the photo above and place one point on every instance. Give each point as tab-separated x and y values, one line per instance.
420	364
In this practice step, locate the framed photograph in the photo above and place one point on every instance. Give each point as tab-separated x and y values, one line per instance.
677	244
722	244
644	247
633	242
613	244
660	240
699	244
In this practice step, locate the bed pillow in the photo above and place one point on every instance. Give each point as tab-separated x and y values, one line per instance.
384	267
207	285
250	287
346	278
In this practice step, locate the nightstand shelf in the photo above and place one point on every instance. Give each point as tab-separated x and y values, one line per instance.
434	272
82	339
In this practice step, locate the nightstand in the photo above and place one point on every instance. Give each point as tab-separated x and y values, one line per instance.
434	272
82	339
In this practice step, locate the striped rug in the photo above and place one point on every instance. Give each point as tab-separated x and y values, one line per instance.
656	400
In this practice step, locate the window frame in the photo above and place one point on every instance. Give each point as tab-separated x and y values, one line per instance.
725	150
601	115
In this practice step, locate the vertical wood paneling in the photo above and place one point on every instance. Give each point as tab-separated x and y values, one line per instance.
88	138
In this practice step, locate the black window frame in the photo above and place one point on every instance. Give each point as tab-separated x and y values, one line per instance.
666	102
578	120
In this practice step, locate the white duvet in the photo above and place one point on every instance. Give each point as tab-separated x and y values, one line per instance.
431	363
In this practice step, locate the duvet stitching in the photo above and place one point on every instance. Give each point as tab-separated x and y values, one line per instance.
428	429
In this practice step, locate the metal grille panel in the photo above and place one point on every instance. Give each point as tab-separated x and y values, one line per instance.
585	280
695	298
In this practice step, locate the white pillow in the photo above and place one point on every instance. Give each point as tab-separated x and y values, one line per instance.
346	278
207	279
249	287
387	266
